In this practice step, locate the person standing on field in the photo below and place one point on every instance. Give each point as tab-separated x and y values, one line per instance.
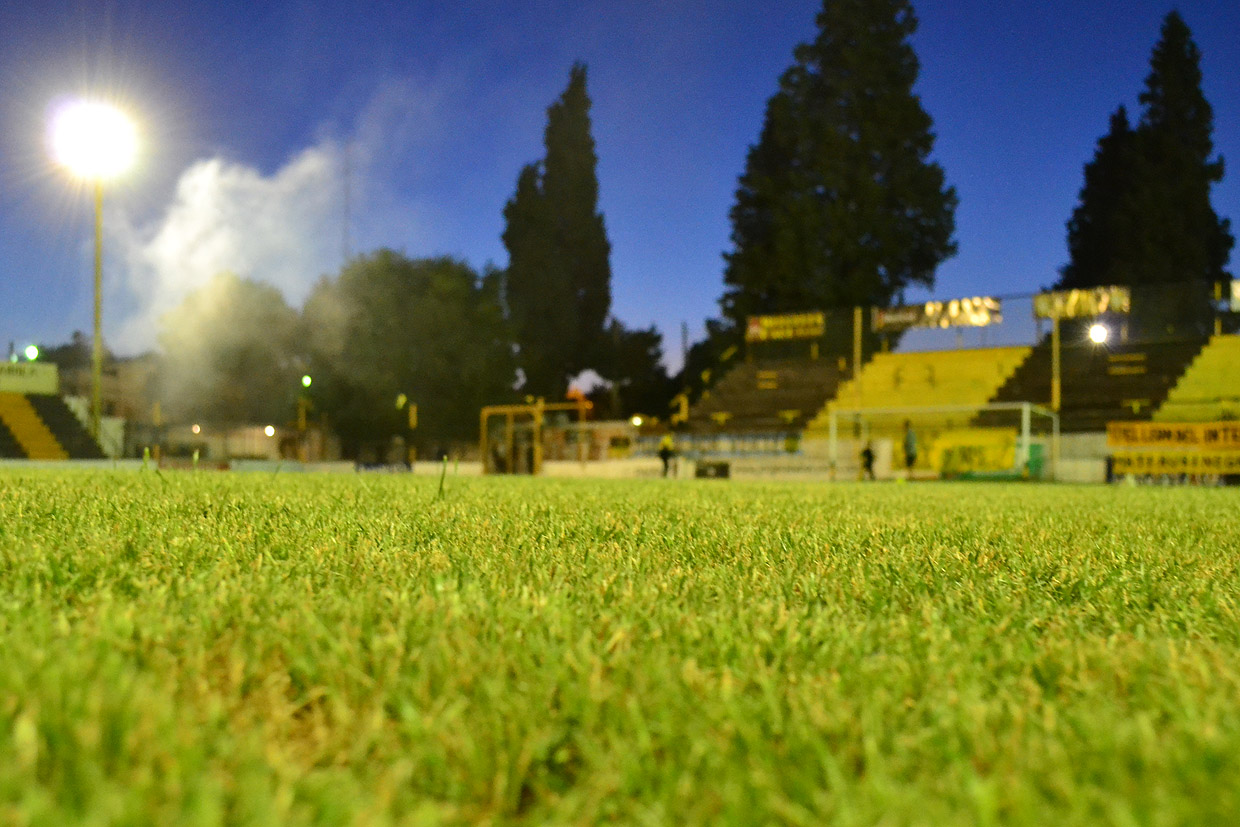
910	447
667	450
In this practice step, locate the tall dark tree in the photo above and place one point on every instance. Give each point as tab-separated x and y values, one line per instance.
558	287
1095	231
1144	215
1182	237
637	381
430	329
839	204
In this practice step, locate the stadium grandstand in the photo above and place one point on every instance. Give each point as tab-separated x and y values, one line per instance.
35	421
1090	361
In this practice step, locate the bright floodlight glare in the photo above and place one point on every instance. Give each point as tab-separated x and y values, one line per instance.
94	140
196	428
32	352
306	380
269	430
637	421
1099	333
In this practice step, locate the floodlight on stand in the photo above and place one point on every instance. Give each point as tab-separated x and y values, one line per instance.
1099	333
94	140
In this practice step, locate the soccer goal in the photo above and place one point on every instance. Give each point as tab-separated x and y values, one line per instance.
1007	440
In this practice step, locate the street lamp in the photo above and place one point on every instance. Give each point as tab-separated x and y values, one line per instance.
1099	333
96	142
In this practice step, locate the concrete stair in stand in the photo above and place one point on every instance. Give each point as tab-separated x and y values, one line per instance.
28	429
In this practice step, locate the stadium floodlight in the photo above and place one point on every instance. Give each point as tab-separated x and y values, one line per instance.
270	430
1099	333
32	352
96	142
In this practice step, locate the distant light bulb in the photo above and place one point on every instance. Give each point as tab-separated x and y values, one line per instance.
32	352
1099	333
270	430
636	421
197	429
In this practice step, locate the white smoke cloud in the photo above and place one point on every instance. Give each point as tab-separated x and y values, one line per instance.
284	229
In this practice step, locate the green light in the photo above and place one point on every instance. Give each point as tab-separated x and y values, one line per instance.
306	380
32	352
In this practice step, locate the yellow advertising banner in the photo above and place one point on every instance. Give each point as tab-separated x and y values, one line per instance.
978	311
788	326
29	377
1073	304
972	450
1175	462
1173	436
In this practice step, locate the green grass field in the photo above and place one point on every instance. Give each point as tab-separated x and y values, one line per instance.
258	649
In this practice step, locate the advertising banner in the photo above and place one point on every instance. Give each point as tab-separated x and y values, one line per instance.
1175	462
973	450
785	327
29	377
978	311
1074	304
1175	436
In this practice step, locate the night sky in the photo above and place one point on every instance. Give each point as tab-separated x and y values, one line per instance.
261	121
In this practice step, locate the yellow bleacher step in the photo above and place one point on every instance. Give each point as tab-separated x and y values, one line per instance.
1209	389
32	435
918	380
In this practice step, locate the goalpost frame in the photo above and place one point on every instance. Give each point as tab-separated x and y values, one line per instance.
536	412
1027	410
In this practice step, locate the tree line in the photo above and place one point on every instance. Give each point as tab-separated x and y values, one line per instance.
840	204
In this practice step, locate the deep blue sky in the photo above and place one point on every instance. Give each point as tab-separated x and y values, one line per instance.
441	101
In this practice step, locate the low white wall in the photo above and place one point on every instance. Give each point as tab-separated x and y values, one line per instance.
1082	458
630	468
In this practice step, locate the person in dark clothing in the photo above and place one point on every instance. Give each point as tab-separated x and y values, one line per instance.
910	447
667	451
867	462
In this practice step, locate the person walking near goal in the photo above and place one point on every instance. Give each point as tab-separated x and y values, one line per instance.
910	447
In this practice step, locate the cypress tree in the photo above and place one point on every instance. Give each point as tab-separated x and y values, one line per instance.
1180	237
559	273
1094	231
839	204
1144	215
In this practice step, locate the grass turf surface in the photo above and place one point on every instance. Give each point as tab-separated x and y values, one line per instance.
203	649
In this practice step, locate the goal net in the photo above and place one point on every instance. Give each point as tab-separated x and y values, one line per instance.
1012	440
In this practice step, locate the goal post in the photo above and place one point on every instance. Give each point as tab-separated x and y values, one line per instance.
1005	440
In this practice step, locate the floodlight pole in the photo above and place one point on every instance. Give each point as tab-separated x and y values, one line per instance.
1055	381
96	356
